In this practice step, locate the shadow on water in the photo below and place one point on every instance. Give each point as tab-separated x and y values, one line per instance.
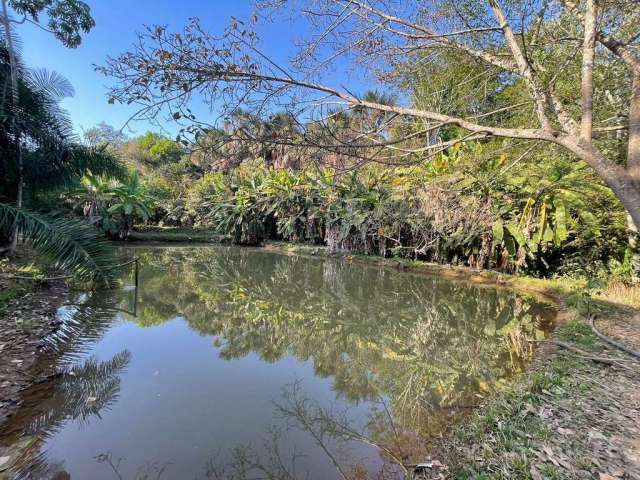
416	351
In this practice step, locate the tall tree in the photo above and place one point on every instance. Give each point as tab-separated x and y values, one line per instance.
67	19
577	62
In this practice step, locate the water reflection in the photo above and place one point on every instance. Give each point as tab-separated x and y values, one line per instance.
78	394
74	389
410	352
424	343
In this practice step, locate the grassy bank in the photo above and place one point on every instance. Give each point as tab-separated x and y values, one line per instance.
570	417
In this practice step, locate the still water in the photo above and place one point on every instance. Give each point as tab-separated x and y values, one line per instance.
241	363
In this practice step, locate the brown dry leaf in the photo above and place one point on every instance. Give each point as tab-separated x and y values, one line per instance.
535	473
606	476
549	451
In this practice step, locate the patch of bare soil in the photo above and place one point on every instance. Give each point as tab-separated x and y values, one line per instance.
622	329
30	319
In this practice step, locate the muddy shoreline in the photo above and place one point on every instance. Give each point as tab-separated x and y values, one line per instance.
30	319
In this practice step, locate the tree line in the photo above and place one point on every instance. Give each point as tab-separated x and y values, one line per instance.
486	144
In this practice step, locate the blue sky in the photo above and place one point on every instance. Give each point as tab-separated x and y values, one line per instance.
117	22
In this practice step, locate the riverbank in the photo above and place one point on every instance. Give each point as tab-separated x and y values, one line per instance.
27	318
574	415
174	234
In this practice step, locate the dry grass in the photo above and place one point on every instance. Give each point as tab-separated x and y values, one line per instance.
622	293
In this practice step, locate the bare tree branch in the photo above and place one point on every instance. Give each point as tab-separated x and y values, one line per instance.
588	55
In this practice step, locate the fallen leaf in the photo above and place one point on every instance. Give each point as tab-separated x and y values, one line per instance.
535	474
606	476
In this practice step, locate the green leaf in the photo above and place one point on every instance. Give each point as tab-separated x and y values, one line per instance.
542	224
511	246
74	245
498	232
517	234
561	233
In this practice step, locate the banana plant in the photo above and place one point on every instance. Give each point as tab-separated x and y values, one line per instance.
92	196
554	203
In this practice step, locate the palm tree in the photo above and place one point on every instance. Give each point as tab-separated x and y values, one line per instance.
129	201
40	154
73	245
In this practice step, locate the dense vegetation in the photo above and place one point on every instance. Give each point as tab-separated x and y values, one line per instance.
42	157
548	216
364	177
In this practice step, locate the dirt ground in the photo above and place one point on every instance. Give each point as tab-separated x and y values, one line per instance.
595	428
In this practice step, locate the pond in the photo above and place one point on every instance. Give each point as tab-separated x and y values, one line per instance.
228	361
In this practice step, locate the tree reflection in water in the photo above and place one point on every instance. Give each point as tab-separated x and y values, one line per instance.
421	350
77	390
425	347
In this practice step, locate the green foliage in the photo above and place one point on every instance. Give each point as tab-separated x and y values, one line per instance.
51	155
159	150
467	206
113	205
67	19
129	200
73	245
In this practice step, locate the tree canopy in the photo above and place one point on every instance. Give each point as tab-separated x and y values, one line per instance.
526	55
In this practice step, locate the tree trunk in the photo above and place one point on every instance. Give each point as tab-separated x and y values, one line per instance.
633	149
623	184
14	124
633	164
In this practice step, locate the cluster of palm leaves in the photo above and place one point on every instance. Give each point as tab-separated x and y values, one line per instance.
113	205
40	157
451	210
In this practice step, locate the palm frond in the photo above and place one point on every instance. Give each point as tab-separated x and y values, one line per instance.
51	83
44	172
74	245
16	40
